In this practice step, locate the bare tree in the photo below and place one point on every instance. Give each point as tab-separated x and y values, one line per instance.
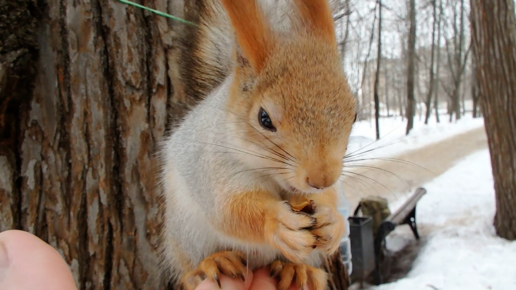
438	68
377	77
411	65
387	88
456	60
494	40
345	9
474	89
366	61
431	86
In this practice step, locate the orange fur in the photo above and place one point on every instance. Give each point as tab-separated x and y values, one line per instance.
299	80
250	208
230	263
251	28
318	15
299	275
330	225
265	219
304	79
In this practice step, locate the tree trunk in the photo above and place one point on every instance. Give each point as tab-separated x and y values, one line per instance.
410	67
460	64
436	107
494	40
364	71
474	94
79	146
437	79
87	90
463	99
18	54
428	102
346	32
338	278
377	76
387	89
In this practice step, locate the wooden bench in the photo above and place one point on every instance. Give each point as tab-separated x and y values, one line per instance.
404	215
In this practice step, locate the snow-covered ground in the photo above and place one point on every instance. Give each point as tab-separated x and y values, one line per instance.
393	140
461	249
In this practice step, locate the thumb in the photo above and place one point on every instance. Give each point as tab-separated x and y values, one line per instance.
4	263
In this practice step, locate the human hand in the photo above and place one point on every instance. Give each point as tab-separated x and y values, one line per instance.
257	280
26	262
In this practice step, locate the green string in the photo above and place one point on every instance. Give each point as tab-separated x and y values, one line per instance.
157	12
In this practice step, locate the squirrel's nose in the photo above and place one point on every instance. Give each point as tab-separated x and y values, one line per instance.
319	181
323	174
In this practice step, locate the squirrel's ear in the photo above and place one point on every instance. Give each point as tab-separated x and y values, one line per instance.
318	17
251	29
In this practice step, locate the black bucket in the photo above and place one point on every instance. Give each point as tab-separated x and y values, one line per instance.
362	246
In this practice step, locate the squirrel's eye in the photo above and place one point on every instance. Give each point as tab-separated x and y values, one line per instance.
265	120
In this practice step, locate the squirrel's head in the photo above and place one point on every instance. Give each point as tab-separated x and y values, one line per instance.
290	99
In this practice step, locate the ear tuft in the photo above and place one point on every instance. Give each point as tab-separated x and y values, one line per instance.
251	29
317	15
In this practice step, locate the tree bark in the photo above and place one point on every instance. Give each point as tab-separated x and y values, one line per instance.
494	41
410	68
338	278
428	102
377	76
437	80
18	54
79	163
474	95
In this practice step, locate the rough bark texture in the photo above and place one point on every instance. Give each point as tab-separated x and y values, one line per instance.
494	41
338	278
411	103
18	53
77	163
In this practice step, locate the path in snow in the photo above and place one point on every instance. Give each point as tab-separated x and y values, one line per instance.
403	177
437	158
459	248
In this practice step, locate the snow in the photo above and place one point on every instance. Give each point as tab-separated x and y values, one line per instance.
393	140
460	247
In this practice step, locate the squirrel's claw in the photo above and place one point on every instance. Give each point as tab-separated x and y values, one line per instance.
328	230
301	275
230	263
289	232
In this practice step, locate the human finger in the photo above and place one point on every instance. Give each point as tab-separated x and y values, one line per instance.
227	283
263	280
27	262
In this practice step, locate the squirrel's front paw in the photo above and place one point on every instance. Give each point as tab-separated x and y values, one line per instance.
289	232
230	263
329	229
298	274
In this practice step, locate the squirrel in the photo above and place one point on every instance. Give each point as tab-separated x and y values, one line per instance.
270	132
